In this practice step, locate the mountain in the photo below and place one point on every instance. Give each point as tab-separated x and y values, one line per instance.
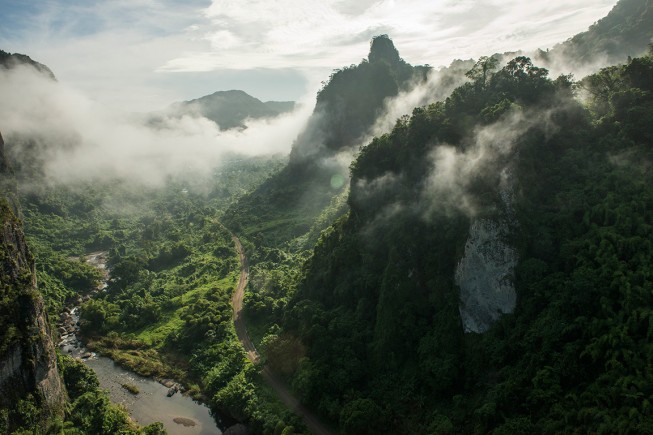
229	109
352	99
9	61
493	272
625	32
286	205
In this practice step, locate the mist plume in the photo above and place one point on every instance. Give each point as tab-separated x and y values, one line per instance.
80	140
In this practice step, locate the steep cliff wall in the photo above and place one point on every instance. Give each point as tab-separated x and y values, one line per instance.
28	363
484	276
485	273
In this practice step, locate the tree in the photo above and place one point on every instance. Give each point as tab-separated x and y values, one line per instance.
361	416
481	71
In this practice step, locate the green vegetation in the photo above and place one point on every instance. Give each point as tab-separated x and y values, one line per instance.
28	408
166	311
281	220
287	205
352	297
376	315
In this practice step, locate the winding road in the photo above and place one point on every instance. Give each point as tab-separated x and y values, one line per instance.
310	420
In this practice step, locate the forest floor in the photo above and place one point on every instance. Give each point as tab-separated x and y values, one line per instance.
285	395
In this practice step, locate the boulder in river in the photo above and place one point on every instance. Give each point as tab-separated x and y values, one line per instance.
167	383
186	422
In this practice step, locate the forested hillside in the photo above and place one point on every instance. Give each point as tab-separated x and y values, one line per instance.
377	310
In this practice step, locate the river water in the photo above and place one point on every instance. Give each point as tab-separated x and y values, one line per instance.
179	414
151	403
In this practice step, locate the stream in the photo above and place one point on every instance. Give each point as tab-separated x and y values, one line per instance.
179	414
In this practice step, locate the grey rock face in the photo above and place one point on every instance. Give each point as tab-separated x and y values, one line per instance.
486	271
485	276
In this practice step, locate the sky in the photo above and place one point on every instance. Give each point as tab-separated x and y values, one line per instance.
142	55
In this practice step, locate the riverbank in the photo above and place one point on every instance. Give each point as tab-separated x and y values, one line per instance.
156	399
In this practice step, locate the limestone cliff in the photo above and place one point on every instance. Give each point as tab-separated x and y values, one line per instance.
485	273
28	363
484	276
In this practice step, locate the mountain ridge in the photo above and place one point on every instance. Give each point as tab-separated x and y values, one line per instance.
227	109
624	33
12	60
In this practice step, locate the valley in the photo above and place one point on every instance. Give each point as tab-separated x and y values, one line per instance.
462	249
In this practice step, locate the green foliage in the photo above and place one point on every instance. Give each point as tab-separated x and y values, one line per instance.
376	306
370	331
482	70
166	311
361	416
78	377
293	201
94	413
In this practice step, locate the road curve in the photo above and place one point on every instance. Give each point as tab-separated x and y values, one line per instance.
311	421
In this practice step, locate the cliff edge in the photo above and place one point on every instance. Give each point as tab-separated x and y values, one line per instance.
28	362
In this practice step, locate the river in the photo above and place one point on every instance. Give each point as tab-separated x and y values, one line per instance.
179	414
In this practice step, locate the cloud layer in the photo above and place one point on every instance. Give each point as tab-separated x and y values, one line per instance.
80	140
143	54
328	33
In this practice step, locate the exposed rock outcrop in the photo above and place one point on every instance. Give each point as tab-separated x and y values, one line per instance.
486	271
28	363
484	276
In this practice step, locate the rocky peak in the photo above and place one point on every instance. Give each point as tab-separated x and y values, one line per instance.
382	48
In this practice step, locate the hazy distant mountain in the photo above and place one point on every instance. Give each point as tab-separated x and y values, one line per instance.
626	31
228	109
11	60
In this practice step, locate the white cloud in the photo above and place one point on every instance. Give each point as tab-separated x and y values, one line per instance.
306	33
141	54
85	141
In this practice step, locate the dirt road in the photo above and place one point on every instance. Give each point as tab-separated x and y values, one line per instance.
310	420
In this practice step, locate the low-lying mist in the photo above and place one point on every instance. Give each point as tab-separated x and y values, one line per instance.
439	84
80	140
